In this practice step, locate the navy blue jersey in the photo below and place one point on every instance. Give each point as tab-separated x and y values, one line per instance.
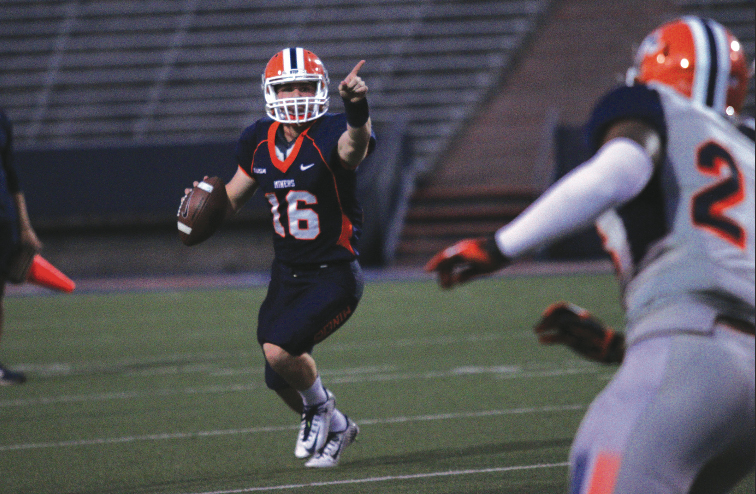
626	102
314	209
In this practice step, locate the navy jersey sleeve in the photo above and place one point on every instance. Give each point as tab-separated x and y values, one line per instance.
6	145
248	142
626	102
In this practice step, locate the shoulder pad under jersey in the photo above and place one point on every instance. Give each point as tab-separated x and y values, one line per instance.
626	102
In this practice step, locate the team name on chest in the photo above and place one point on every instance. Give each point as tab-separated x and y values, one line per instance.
284	184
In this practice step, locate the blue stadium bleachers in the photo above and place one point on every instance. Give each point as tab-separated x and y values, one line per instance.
110	74
93	74
492	171
127	77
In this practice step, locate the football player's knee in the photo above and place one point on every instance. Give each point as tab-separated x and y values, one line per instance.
274	354
273	380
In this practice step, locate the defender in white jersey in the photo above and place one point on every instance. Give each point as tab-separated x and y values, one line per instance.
671	191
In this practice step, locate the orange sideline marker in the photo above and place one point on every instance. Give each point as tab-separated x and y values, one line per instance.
45	274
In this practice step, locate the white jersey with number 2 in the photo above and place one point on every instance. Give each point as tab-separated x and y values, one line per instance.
684	248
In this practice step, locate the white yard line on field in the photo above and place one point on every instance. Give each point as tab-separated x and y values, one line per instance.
197	362
392	478
345	376
268	429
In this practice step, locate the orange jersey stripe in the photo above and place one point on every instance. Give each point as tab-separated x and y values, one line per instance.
283	165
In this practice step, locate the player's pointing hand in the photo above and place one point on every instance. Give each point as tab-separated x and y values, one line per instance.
353	88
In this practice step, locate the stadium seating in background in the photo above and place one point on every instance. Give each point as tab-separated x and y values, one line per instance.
91	74
184	75
528	132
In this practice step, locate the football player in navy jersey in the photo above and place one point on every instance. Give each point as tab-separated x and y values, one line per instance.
304	160
671	190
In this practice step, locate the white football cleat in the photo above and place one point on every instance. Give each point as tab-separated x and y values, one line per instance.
337	441
313	429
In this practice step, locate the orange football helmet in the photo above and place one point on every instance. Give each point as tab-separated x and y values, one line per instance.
699	58
295	65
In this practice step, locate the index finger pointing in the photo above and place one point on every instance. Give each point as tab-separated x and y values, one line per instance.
356	69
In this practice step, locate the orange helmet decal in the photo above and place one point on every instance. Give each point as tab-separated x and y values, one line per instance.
698	58
295	65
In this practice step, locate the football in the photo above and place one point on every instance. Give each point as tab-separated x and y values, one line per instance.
202	210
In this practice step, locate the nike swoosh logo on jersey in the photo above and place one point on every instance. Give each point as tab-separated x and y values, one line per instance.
304	167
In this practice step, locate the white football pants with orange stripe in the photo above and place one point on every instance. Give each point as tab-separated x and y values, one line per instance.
677	418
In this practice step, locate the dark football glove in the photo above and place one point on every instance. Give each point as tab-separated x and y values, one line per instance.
467	259
576	328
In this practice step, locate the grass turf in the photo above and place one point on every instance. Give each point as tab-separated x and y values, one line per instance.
162	392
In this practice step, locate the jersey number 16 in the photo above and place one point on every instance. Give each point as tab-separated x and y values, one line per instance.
304	223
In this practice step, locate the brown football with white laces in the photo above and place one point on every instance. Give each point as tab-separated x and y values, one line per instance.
202	210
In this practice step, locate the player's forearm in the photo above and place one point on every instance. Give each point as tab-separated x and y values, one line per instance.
239	190
617	173
23	214
354	143
28	235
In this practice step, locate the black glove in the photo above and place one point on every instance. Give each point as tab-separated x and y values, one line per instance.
576	328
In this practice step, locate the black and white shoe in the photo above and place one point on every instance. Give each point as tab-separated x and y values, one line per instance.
313	429
337	442
10	378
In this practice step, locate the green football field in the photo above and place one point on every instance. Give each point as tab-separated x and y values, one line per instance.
162	392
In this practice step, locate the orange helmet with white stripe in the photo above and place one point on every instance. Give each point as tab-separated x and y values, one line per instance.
295	65
700	59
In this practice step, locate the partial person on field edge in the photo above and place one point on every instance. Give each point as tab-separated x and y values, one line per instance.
16	231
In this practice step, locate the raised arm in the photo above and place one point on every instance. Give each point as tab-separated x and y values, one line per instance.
354	142
614	175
